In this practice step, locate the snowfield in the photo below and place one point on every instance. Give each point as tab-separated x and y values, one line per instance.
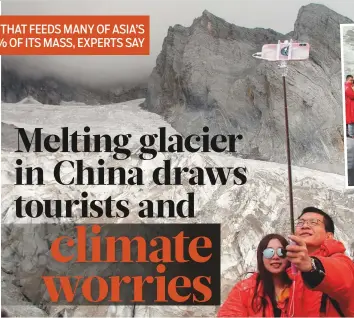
246	212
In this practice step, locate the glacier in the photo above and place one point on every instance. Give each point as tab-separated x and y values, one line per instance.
246	213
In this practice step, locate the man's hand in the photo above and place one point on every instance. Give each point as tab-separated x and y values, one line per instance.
298	254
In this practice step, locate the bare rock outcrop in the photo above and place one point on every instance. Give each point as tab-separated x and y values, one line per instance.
205	75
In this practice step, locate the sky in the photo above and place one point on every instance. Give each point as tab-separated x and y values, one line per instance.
279	15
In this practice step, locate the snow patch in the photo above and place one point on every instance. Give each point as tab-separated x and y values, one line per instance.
28	101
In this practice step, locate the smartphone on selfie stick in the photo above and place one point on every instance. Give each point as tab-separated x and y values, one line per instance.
285	52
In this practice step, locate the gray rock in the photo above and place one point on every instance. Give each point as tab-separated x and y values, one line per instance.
205	76
11	294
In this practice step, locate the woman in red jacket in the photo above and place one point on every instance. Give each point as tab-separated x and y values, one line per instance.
267	293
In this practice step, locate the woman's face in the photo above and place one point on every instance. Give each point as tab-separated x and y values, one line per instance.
275	264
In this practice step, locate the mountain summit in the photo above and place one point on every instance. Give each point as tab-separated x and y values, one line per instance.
205	75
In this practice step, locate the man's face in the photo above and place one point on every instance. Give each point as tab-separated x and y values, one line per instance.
311	228
350	80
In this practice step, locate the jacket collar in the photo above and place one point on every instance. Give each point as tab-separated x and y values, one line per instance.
330	247
348	84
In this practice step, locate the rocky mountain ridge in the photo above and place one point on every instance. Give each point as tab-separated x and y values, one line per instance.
54	91
205	75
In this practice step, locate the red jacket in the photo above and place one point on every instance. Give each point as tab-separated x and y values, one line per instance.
338	284
239	302
349	103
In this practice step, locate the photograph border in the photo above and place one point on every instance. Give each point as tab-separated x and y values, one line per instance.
347	186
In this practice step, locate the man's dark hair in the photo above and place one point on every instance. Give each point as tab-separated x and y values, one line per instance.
349	76
328	222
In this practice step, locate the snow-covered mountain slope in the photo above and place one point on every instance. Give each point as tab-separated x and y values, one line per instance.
246	212
348	47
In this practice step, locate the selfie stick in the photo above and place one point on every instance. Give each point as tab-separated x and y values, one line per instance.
284	66
284	54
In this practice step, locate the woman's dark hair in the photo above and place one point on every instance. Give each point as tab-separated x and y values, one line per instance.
265	277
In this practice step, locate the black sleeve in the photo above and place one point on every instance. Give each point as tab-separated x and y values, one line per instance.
277	311
313	279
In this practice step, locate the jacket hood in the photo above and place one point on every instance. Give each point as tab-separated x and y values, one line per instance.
330	247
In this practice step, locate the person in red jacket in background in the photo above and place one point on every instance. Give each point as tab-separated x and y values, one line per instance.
349	106
267	293
326	275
